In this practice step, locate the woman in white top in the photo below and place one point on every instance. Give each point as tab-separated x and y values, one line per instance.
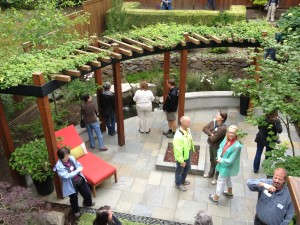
144	99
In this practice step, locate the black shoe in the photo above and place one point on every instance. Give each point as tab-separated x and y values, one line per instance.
167	132
84	205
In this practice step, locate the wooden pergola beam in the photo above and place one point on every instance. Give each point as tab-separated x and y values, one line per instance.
201	38
48	127
152	42
182	79
229	40
74	73
8	146
86	68
216	39
96	49
61	77
118	98
125	45
95	63
140	44
193	40
104	44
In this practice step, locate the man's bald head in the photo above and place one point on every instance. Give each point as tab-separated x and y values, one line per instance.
185	122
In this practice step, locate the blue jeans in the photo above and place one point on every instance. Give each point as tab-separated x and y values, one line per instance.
270	52
182	172
110	121
94	127
259	150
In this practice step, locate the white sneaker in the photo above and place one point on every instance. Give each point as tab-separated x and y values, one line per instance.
214	181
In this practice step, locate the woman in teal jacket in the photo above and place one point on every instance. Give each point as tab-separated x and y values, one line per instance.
228	163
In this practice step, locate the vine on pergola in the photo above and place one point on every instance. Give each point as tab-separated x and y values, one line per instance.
70	58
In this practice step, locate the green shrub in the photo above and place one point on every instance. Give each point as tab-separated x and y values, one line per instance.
199	81
88	218
279	158
221	83
17	4
219	50
137	17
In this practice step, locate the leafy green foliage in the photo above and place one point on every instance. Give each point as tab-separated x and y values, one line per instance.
201	81
279	158
34	128
19	69
170	35
73	91
88	218
259	2
117	18
137	17
219	50
32	159
17	4
279	81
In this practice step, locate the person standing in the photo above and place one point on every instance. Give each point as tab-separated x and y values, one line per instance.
228	164
216	131
183	145
266	137
272	6
166	4
73	181
274	204
170	107
107	105
211	4
143	99
90	112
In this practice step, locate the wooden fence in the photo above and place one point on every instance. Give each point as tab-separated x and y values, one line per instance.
98	8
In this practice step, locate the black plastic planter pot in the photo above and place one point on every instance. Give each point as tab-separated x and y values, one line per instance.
44	187
244	104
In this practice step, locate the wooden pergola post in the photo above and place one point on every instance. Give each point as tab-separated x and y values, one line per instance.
166	74
118	98
8	146
47	123
294	186
98	80
182	81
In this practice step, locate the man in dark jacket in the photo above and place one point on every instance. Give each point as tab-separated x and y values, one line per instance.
107	105
170	107
216	131
266	136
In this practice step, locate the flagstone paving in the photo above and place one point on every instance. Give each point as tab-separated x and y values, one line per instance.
143	190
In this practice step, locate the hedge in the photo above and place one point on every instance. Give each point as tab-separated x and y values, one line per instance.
138	17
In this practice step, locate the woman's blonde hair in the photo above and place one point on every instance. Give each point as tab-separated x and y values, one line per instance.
144	85
232	127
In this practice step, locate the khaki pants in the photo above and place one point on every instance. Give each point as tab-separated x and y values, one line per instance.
271	11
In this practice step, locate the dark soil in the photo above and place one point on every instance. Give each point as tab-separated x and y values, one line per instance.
169	156
70	219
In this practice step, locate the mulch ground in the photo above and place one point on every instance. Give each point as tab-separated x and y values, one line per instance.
169	156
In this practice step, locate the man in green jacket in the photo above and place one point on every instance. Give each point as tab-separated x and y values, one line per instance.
182	146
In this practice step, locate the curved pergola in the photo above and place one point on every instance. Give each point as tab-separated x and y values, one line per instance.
118	51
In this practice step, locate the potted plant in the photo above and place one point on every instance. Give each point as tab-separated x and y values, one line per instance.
32	159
